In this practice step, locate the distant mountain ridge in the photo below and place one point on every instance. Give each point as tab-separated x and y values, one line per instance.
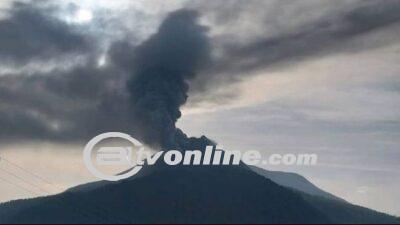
214	194
294	181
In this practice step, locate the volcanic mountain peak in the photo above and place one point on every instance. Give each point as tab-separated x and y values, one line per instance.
188	194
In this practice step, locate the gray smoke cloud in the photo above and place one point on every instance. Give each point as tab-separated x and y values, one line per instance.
141	89
162	66
325	36
139	92
32	33
344	30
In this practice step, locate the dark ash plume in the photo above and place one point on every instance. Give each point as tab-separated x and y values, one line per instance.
163	65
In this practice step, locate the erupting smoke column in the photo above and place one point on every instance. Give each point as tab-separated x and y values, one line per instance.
163	64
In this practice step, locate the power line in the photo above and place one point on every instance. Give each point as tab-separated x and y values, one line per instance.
18	186
36	194
36	186
23	180
27	171
100	209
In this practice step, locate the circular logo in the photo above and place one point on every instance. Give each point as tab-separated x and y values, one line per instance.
120	154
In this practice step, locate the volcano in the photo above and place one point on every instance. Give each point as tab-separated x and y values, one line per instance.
188	194
160	71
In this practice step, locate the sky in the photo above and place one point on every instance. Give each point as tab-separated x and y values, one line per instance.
283	77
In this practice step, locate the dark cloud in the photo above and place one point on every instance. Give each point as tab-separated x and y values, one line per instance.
336	33
61	105
142	87
86	100
33	33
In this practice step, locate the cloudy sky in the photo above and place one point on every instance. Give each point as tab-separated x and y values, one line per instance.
283	77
